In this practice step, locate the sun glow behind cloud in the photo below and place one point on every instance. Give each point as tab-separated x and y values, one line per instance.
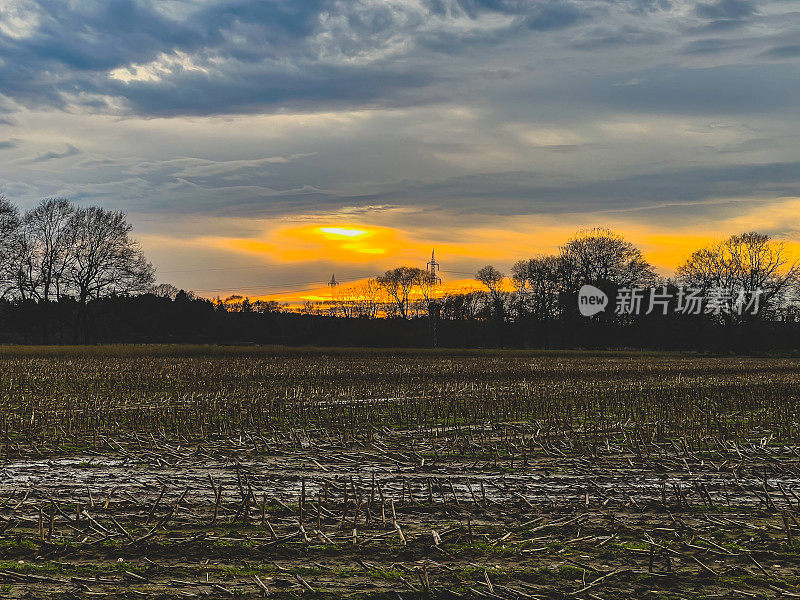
343	244
343	231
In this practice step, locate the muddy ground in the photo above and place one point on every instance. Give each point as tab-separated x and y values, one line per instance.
399	517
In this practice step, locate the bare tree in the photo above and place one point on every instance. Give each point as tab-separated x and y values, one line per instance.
538	283
48	239
45	251
268	306
744	263
471	303
104	260
493	280
348	302
164	290
10	247
398	284
368	301
309	308
362	300
45	248
600	256
464	304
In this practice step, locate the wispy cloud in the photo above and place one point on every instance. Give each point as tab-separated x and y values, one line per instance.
54	155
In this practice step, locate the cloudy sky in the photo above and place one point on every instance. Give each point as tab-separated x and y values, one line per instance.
260	145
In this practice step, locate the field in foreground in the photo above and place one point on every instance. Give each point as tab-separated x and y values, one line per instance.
191	472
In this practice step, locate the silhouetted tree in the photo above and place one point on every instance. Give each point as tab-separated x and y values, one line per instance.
46	248
268	306
493	280
104	260
599	256
67	271
164	290
463	306
742	264
398	284
538	282
10	249
367	303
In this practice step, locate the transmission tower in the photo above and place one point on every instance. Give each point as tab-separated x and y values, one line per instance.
332	284
432	267
433	306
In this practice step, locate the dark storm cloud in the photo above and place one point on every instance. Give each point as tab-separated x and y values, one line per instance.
269	55
74	45
257	55
251	89
251	55
98	35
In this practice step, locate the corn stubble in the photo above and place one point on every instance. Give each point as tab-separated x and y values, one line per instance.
181	471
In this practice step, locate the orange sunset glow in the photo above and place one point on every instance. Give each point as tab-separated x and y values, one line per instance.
357	250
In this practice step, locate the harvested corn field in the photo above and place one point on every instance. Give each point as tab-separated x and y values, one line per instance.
171	472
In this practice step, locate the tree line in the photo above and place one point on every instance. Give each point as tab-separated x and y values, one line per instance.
59	253
546	287
75	274
536	304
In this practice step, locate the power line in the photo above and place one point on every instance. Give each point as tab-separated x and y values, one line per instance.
262	266
267	287
254	287
295	291
314	282
274	266
220	269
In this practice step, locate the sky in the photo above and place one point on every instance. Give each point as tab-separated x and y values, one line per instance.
258	146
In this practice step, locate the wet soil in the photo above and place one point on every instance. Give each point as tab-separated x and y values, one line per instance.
393	518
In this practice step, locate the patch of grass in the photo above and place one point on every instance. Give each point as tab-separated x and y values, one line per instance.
233	545
477	549
16	545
